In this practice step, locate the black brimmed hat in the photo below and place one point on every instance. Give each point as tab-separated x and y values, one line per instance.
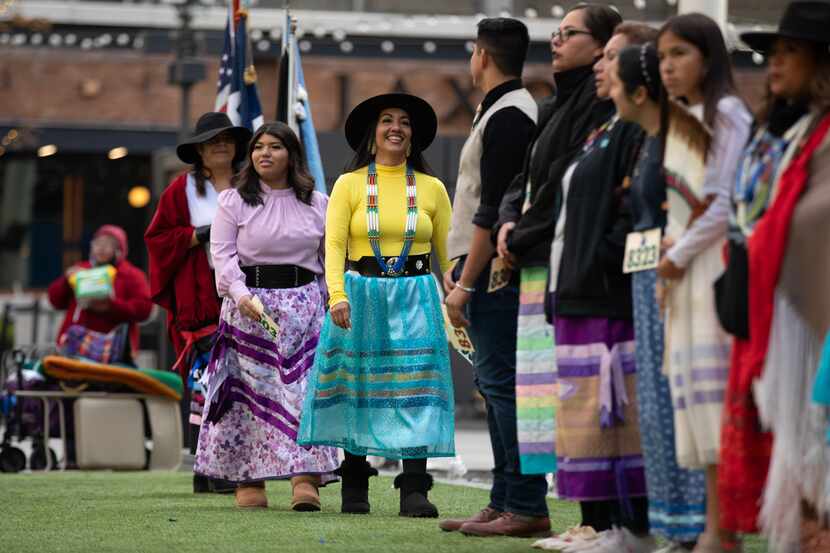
802	20
422	118
209	125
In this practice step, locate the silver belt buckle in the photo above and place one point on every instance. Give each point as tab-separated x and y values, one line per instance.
256	271
390	267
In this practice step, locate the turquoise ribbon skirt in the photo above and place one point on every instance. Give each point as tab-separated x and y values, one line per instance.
384	387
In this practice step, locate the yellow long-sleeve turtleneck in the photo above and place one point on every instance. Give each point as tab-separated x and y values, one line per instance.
346	229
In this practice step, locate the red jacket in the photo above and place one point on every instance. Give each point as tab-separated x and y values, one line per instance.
131	303
181	280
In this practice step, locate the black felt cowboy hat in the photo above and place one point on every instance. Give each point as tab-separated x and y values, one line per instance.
421	115
803	20
209	125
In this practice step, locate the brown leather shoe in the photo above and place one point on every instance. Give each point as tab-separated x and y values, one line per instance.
251	496
454	524
509	524
304	494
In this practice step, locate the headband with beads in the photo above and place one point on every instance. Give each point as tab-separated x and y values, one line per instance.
644	67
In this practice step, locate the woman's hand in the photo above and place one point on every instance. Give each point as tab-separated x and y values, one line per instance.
246	308
665	244
449	283
341	315
668	270
72	270
661	294
455	302
501	245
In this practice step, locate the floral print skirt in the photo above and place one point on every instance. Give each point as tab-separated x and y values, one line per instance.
255	386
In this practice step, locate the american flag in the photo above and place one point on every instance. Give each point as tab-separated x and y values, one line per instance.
236	92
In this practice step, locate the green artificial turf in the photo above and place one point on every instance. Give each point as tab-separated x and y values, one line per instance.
157	512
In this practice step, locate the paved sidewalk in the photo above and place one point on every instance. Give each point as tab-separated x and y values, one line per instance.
472	444
472	464
473	452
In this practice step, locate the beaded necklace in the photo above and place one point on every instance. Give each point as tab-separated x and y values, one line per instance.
394	266
756	174
600	134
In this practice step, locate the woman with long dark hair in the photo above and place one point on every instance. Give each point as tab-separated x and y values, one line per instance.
676	496
775	296
181	270
267	247
527	217
381	383
696	71
600	462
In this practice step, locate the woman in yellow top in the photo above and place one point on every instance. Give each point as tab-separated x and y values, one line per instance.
381	383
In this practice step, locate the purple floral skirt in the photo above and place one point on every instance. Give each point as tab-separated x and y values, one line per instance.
255	387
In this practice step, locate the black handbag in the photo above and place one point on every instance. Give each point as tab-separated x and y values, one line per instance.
732	292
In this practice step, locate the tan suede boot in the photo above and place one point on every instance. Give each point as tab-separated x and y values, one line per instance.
304	494
251	496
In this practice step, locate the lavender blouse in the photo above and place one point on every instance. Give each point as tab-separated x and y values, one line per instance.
283	231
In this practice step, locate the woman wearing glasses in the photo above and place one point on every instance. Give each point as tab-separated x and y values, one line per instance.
528	217
600	461
525	229
181	272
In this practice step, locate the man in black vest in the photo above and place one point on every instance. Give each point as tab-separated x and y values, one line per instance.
491	157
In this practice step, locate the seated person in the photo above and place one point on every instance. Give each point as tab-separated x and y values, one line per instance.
130	302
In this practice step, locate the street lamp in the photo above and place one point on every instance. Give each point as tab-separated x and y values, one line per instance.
185	70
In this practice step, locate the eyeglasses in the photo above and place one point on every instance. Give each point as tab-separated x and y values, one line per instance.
566	34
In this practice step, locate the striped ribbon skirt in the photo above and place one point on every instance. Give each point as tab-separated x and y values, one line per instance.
535	376
598	433
384	387
255	391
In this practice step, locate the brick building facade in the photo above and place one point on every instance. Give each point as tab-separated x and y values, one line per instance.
89	80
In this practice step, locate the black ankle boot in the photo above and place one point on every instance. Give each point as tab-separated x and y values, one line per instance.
354	491
414	489
217	485
200	484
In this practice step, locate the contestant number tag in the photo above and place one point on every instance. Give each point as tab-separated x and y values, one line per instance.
458	337
499	275
642	251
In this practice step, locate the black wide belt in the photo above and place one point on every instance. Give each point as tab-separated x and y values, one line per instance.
277	276
415	265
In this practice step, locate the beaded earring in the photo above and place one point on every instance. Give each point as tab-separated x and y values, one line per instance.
373	148
408	149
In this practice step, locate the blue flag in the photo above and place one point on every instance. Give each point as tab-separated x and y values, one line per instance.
293	105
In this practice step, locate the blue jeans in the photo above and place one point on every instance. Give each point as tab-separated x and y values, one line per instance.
493	318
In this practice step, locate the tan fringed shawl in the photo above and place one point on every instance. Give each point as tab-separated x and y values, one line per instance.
805	275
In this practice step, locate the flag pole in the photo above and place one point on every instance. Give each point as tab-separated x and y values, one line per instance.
716	9
291	44
281	113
